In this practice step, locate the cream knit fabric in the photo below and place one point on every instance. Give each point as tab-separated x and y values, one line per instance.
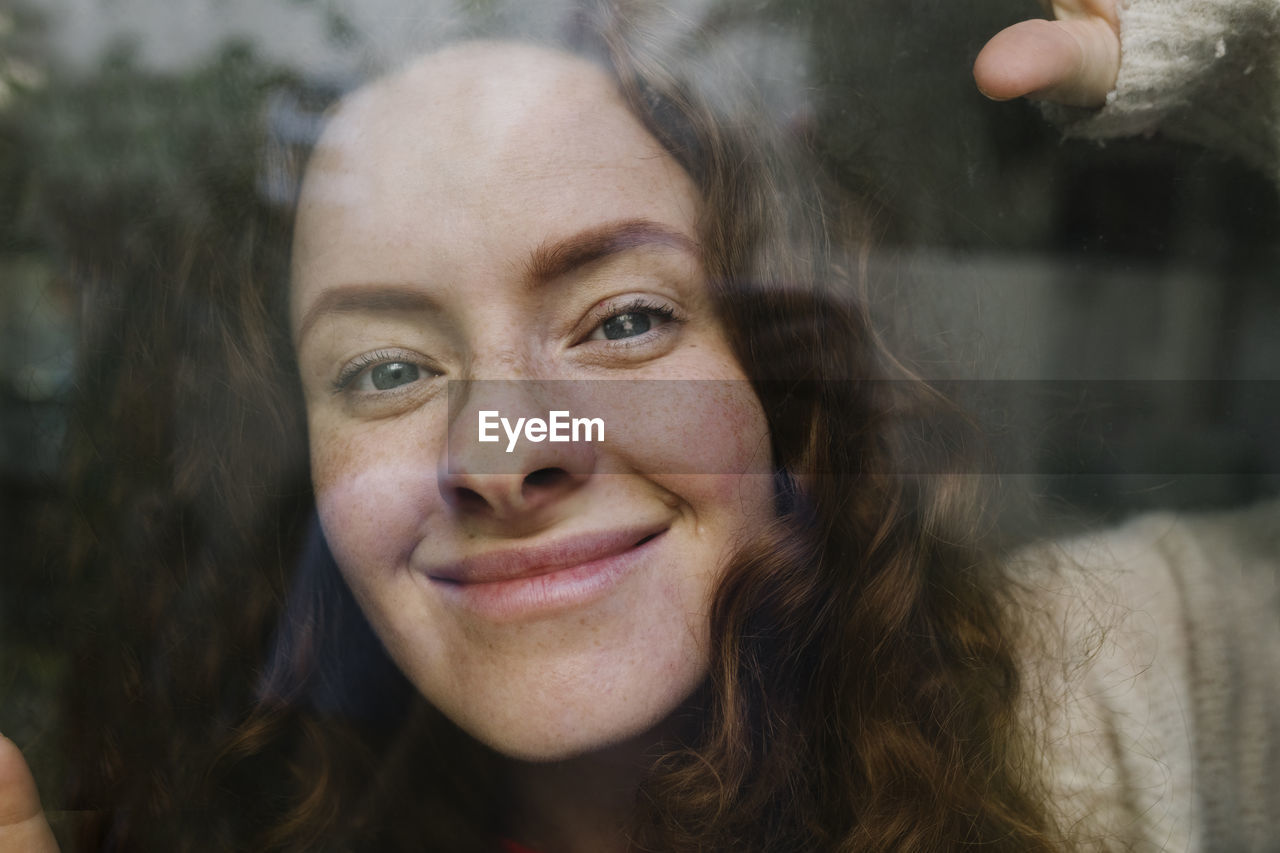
1157	654
1206	71
1156	661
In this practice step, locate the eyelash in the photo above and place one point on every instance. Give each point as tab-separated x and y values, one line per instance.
357	366
639	305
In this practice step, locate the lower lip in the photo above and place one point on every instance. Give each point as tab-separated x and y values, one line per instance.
541	595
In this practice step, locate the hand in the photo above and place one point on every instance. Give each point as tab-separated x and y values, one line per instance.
23	828
1072	60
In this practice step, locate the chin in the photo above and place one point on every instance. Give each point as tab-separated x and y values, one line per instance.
555	732
553	747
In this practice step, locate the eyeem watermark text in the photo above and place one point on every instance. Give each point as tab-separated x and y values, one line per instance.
559	426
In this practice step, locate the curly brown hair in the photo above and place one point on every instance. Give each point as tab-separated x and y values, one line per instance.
863	692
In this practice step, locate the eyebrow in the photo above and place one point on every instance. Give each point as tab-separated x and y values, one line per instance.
557	258
366	299
549	261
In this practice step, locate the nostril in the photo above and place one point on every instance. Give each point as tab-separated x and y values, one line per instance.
544	477
469	500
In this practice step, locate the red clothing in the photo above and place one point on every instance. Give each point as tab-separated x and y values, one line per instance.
514	847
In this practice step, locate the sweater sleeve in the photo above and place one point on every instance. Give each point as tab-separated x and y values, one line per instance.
1205	71
1159	678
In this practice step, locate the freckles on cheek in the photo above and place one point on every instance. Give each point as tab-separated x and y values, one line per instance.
692	427
739	441
370	503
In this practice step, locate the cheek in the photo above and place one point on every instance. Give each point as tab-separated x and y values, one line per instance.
698	426
708	447
372	487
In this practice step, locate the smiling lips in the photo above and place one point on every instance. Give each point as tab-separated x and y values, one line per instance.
523	582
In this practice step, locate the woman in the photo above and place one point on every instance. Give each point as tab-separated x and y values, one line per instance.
733	625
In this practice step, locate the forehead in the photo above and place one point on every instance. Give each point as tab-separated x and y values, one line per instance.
489	146
478	101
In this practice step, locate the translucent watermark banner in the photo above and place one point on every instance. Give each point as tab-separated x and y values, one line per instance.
695	426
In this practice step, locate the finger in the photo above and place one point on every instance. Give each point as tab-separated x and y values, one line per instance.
1071	62
23	828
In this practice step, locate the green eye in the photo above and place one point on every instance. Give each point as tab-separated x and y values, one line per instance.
626	325
393	374
633	320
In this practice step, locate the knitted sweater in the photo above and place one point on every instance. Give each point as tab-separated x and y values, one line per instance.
1205	71
1157	660
1155	657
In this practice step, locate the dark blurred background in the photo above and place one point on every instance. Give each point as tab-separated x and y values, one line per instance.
1005	253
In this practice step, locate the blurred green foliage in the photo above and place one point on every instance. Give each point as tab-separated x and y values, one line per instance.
101	173
103	165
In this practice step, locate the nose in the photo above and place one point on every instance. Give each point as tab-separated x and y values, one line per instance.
498	463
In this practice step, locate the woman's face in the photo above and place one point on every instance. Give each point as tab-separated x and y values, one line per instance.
496	213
